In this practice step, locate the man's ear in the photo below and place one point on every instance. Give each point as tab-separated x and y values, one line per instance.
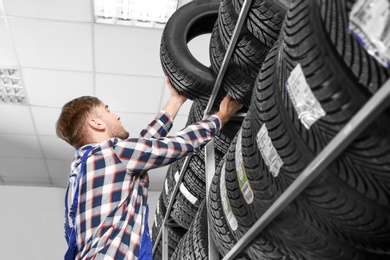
97	124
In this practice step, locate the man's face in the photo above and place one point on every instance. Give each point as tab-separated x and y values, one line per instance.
113	123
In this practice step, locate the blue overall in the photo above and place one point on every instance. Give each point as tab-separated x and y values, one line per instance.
146	243
70	232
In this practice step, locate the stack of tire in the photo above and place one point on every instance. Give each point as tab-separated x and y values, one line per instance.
345	212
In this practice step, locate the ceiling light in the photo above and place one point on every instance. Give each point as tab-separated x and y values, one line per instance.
1	8
144	13
11	88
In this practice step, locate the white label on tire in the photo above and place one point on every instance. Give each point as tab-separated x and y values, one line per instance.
227	209
268	151
166	186
183	189
243	182
191	198
155	221
369	22
158	207
177	176
306	105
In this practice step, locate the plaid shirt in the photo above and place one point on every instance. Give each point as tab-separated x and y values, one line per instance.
113	192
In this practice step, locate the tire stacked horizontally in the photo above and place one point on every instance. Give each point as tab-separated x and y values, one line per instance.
344	213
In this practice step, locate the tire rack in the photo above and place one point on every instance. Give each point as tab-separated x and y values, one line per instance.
209	149
374	106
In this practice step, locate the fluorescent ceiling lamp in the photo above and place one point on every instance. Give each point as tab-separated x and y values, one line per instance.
1	8
145	13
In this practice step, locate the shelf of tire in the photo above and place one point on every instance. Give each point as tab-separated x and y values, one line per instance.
209	149
366	115
330	194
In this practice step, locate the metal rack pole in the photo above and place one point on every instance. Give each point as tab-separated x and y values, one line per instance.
165	240
209	171
209	151
350	131
170	205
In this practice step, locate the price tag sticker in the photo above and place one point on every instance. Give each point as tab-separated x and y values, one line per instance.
306	105
183	189
369	23
268	151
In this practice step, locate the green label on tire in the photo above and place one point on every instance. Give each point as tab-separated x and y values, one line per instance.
243	182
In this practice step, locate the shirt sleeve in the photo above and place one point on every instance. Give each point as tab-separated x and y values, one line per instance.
159	127
142	154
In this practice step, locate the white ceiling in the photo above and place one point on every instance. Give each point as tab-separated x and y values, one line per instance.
61	55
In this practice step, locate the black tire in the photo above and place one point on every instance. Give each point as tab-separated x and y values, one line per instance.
174	233
251	194
240	196
221	145
265	18
293	231
331	80
200	232
335	200
344	80
236	82
249	53
220	230
193	246
259	178
167	187
226	234
191	182
341	95
266	188
188	75
197	166
221	140
184	207
228	131
289	236
335	19
184	249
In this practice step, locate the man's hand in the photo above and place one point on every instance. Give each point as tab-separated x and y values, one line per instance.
176	100
228	108
174	93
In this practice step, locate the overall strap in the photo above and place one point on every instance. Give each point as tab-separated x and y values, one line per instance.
146	242
73	208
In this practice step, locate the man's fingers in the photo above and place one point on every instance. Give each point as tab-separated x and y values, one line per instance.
167	80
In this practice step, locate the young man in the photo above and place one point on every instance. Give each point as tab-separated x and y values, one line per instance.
113	185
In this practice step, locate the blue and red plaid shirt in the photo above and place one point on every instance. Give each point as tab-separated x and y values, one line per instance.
113	192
